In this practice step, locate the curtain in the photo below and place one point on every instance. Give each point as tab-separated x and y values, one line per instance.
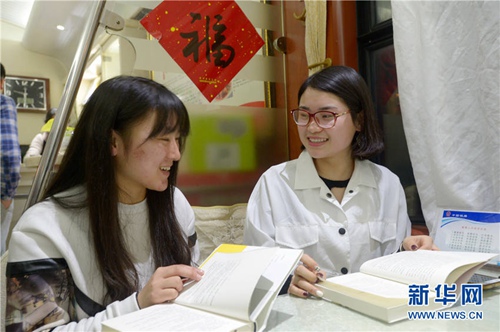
315	39
447	58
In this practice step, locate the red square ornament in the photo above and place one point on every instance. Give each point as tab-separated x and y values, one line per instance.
210	40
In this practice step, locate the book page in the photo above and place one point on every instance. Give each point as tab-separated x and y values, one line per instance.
228	283
372	284
172	317
423	266
273	278
380	298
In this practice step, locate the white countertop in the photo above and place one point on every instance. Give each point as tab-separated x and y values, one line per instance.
291	313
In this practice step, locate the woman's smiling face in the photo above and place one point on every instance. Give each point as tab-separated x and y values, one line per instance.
321	142
143	162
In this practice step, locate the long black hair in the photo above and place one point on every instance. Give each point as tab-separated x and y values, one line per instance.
347	84
117	105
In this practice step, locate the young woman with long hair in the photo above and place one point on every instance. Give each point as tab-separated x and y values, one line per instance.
112	234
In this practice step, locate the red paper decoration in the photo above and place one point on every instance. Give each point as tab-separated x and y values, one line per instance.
210	40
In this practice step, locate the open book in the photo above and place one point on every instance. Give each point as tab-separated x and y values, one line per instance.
381	288
236	293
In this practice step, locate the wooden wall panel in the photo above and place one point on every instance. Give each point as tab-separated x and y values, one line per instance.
341	43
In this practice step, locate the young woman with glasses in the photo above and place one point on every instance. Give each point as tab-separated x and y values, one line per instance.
332	202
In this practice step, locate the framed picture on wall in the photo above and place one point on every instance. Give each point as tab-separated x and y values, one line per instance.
31	94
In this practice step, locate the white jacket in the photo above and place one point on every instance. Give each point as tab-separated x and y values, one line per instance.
36	145
291	207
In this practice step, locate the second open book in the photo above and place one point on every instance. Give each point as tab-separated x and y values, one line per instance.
236	293
381	288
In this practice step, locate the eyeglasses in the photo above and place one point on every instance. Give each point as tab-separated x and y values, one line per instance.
324	119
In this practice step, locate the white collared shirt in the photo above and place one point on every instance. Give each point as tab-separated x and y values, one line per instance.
292	207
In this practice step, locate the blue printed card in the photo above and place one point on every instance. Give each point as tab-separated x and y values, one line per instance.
469	231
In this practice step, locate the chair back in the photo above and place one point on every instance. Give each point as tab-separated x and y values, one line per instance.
216	225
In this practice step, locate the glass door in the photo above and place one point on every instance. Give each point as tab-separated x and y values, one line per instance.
235	137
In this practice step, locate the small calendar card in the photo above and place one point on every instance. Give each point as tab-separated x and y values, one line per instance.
473	231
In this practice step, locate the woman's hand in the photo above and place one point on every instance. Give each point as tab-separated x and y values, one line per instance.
6	203
304	278
415	242
166	284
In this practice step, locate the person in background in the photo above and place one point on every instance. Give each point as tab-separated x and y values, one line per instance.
38	142
112	233
11	159
332	202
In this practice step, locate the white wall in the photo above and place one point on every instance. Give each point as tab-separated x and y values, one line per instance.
19	61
